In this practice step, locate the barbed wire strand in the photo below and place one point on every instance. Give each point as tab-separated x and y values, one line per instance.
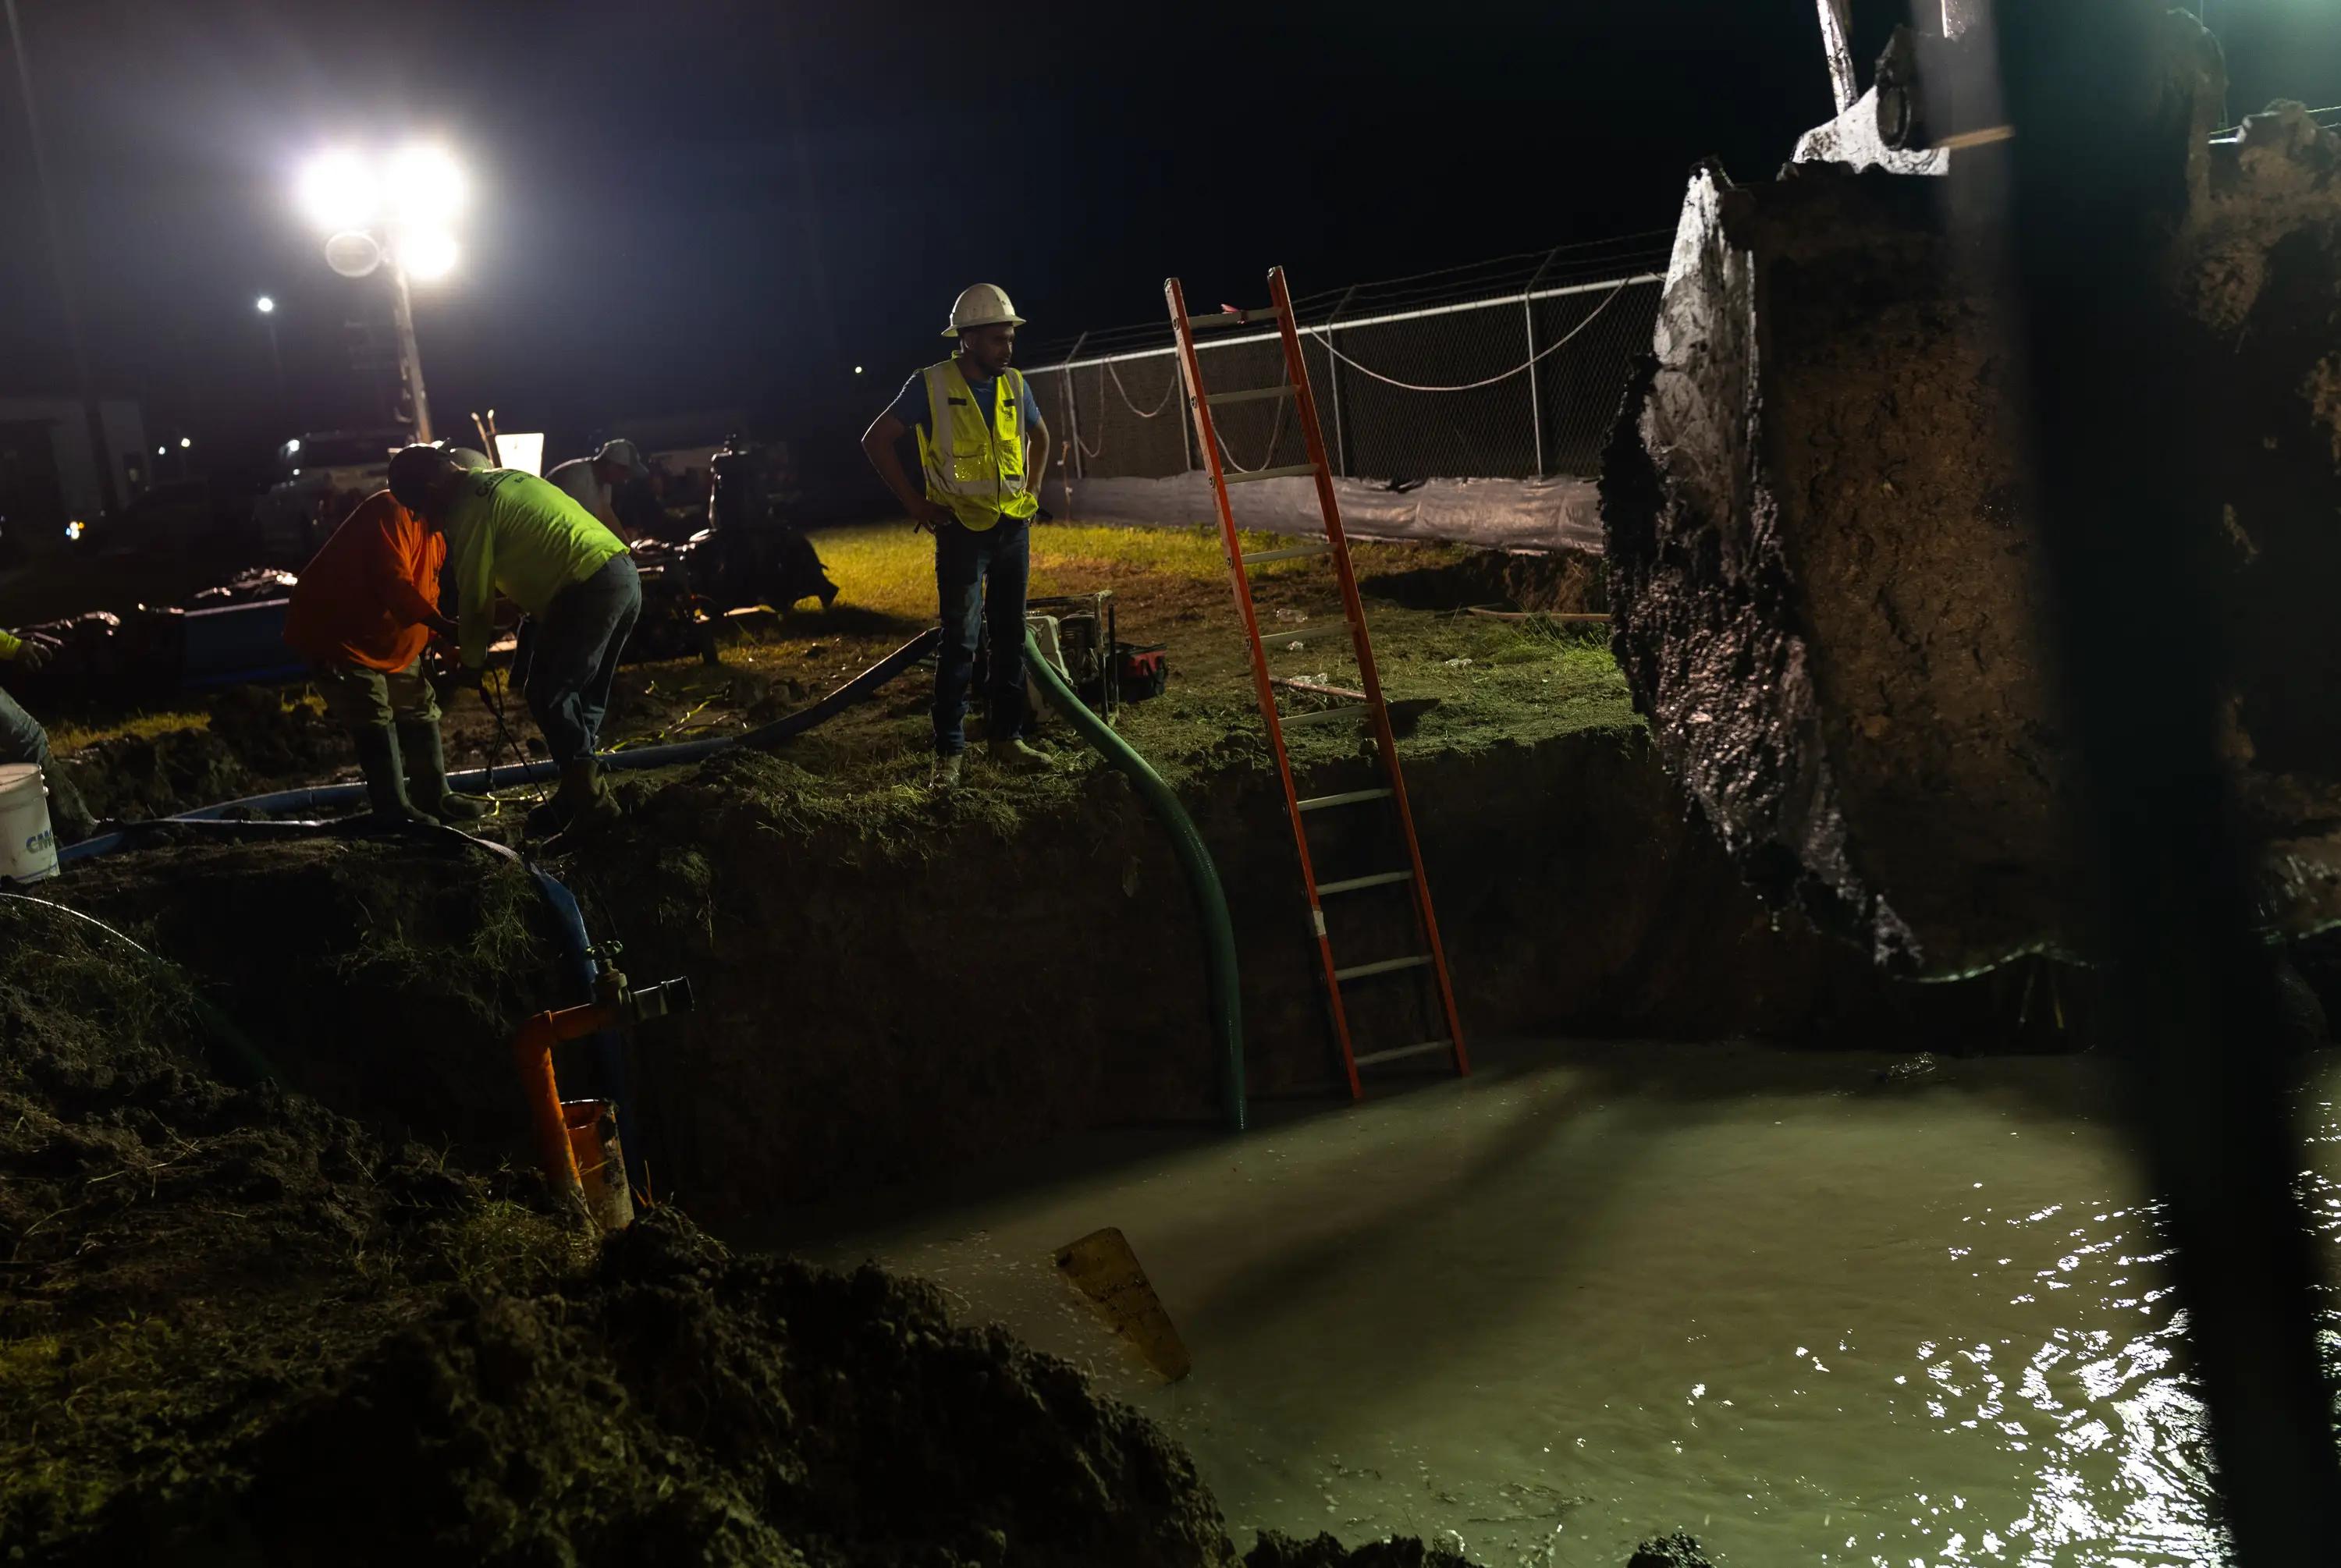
1325	341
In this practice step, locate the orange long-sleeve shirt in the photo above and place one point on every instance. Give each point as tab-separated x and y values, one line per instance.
365	598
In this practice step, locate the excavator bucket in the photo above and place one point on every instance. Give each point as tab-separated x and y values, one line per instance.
1824	586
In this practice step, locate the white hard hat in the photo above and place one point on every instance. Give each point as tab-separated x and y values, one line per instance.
982	305
624	453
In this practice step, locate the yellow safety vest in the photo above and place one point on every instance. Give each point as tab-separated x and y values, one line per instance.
973	465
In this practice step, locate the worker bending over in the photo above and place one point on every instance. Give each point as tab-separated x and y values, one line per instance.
22	740
513	533
361	615
982	448
593	482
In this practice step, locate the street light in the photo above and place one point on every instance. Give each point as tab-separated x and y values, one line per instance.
393	210
266	305
185	441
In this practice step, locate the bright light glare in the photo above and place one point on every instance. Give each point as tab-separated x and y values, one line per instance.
339	191
426	187
292	445
184	442
264	304
857	370
161	451
428	256
74	529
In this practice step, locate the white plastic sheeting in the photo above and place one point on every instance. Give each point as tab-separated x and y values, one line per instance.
1559	513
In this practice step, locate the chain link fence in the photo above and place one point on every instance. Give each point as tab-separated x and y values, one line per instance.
1509	370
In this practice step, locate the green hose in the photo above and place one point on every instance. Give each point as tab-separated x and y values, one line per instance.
1202	877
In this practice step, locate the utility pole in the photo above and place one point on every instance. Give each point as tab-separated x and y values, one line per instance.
101	454
410	358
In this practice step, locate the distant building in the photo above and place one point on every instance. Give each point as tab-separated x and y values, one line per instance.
48	477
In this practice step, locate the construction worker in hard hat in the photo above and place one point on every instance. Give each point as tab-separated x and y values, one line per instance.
593	482
982	448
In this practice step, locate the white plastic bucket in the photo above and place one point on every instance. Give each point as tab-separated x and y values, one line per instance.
28	845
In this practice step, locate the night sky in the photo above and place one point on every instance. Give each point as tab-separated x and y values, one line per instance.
690	205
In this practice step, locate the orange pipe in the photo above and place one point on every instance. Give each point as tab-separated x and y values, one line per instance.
533	1053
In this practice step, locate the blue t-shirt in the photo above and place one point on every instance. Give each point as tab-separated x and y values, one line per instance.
910	408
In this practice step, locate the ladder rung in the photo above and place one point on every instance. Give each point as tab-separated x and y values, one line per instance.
1255	395
1287	471
1373	1058
1231	318
1352	883
1294	553
1324	715
1346	797
1359	971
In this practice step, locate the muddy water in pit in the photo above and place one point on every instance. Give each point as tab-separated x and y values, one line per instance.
1808	1314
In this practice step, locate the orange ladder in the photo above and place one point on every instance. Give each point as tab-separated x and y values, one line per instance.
1350	705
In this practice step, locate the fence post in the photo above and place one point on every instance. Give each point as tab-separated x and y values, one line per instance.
1536	398
1333	374
1536	395
1073	407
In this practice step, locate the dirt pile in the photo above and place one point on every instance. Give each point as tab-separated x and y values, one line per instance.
1825	589
237	1327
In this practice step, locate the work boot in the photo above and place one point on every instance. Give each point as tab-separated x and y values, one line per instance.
1017	756
377	747
426	776
946	773
591	805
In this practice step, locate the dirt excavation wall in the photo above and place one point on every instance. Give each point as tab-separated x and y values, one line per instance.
1822	574
887	991
237	1327
258	1322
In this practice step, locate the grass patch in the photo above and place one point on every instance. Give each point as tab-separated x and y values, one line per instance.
74	735
890	566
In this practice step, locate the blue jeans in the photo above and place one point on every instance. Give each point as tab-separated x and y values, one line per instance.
572	656
965	561
22	739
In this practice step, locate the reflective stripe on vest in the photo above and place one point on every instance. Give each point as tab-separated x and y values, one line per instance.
976	465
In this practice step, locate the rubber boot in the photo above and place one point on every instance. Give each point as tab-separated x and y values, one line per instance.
426	774
69	817
377	747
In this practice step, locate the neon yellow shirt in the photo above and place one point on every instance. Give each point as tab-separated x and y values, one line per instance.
512	534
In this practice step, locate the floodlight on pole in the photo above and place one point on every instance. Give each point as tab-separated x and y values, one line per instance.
339	190
392	208
264	305
427	256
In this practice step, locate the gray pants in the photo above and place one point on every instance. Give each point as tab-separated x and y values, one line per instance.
360	697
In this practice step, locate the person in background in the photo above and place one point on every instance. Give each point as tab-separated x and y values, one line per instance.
22	740
592	482
513	533
982	448
363	613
